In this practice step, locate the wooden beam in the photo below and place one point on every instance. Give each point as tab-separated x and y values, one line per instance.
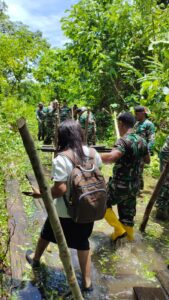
149	293
163	277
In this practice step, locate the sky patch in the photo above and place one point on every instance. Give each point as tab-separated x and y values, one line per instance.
41	15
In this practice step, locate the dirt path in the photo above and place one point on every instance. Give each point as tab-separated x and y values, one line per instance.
114	273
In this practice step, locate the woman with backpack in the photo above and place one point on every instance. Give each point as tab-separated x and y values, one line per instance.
70	139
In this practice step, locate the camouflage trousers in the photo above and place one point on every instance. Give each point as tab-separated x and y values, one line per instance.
141	180
41	130
49	134
163	198
123	194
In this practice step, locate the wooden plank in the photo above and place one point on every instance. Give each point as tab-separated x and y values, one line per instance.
19	242
163	277
149	293
18	229
101	149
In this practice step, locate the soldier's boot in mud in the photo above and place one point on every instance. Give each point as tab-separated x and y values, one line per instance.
119	231
130	232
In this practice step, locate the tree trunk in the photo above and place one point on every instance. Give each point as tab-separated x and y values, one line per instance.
154	197
51	210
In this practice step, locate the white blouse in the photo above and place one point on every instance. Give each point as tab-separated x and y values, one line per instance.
61	169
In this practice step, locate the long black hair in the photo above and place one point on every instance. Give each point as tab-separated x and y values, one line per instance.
70	136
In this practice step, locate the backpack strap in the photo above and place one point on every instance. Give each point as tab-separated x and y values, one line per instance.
74	160
70	155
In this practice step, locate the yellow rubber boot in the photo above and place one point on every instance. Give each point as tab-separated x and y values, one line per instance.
130	232
112	220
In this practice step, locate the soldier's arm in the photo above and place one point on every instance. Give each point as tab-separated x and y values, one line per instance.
146	153
111	157
58	189
37	115
151	137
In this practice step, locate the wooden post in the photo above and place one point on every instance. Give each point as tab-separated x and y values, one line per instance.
94	132
114	117
154	197
57	122
72	113
51	210
116	125
86	125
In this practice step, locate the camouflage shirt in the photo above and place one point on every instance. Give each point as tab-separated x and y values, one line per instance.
83	118
40	114
134	149
146	130
64	113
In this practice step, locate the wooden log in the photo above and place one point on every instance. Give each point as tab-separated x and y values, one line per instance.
18	230
149	293
154	197
51	210
163	277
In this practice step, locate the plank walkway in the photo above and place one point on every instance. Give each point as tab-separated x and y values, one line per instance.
163	277
20	240
149	293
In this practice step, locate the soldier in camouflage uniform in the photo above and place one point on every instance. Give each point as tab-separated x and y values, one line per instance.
40	116
91	131
127	154
51	113
65	112
146	130
162	202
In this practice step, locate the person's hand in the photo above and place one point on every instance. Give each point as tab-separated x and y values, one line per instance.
36	193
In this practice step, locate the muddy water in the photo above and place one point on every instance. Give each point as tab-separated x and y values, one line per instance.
114	271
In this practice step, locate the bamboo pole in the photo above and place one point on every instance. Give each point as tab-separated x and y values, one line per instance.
114	117
51	210
116	125
154	197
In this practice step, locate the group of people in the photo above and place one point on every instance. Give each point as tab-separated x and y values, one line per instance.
129	154
49	118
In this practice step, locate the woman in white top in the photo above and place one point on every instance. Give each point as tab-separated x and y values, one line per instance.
70	136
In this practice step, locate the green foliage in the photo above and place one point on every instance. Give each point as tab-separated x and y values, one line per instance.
117	56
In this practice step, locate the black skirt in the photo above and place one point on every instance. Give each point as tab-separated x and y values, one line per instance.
76	234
